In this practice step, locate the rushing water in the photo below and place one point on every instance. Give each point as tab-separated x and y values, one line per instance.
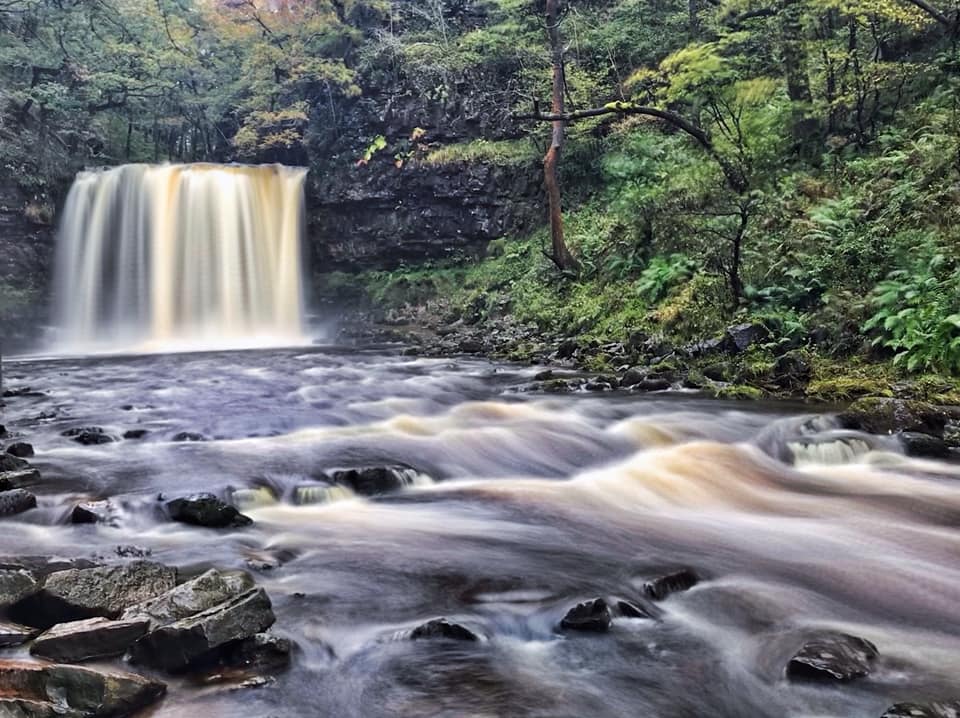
170	255
537	502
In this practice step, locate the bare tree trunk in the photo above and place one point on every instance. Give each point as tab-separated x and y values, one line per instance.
561	255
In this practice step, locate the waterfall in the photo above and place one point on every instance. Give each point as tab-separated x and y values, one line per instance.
161	257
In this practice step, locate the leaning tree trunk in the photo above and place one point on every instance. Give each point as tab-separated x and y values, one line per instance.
560	254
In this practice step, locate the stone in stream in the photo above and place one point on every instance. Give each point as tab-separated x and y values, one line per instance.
174	647
188	436
661	587
924	445
104	591
631	609
442	628
9	462
32	690
262	652
89	639
588	616
16	585
945	709
202	593
881	415
135	434
16	501
18	479
206	510
89	435
832	657
21	450
13	634
375	480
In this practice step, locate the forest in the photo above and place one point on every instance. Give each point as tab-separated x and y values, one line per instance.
792	163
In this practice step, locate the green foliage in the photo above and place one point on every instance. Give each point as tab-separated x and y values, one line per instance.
662	275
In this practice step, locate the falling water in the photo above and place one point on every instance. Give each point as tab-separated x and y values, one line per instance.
164	256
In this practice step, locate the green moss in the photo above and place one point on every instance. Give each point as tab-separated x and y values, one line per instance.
835	381
498	152
737	391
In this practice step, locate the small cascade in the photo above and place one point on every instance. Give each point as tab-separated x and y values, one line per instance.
160	257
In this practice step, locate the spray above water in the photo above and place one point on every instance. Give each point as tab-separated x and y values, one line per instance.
181	256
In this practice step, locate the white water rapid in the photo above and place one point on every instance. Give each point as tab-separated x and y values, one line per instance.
163	257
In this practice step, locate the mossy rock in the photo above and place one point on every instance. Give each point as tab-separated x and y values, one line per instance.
738	391
884	415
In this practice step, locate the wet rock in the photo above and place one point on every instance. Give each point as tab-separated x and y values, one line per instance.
744	336
663	586
16	585
630	609
206	510
832	657
881	415
375	480
13	634
43	566
471	346
21	450
948	709
176	646
88	435
16	501
567	348
188	436
89	639
202	593
131	551
92	512
543	375
3	431
262	652
442	628
104	591
633	376
791	371
8	462
135	434
719	371
36	689
18	479
651	384
924	445
588	616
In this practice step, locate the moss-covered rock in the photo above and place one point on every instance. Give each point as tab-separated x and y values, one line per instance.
885	415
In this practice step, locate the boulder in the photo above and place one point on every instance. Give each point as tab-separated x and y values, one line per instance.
924	445
375	480
104	591
633	376
471	346
881	415
832	657
92	512
743	336
13	634
88	435
9	462
16	501
135	434
663	586
200	594
262	652
38	689
947	709
186	436
18	479
176	646
651	384
88	639
206	510
16	585
21	450
591	615
631	609
442	628
43	566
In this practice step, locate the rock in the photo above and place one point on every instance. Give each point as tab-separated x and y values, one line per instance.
92	512
206	510
13	634
442	628
176	646
89	639
629	609
948	709
37	689
543	375
8	462
743	336
104	591
659	588
16	501
135	433
567	348
18	479
719	371
43	566
21	450
471	346
792	370
200	594
3	431
375	480
186	436
88	435
16	585
262	652
588	616
924	445
881	415
633	376
651	385
832	657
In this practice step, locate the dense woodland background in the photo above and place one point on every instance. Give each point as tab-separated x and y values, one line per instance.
822	200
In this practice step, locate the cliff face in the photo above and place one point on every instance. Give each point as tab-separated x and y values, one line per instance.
379	216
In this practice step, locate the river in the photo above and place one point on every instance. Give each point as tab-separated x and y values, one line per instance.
525	504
